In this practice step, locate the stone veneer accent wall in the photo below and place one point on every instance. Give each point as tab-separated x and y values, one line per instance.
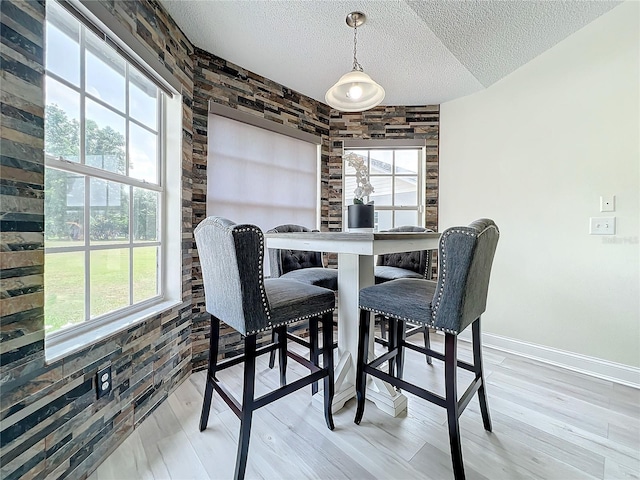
420	122
222	82
51	423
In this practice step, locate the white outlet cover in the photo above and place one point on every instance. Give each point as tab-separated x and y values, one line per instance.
602	226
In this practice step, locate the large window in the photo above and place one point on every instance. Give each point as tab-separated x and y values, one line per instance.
104	192
397	176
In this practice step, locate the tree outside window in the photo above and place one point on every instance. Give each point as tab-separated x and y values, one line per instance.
103	189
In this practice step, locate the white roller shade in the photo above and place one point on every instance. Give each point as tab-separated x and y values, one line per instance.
260	177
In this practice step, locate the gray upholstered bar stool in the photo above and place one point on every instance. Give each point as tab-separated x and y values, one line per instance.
231	258
392	266
451	304
302	266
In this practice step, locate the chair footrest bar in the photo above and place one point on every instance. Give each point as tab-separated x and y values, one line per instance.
466	366
299	340
381	341
236	407
436	355
303	361
383	358
288	388
404	385
228	397
468	395
424	351
414	330
238	359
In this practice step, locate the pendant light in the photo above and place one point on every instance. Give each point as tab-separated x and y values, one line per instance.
355	91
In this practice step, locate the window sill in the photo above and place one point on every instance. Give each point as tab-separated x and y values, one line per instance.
63	346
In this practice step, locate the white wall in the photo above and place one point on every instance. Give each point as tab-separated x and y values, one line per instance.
534	152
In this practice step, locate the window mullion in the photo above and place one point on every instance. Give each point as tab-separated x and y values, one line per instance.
127	136
127	129
369	170
131	245
63	81
161	208
422	178
87	180
95	172
393	188
143	126
87	251
83	86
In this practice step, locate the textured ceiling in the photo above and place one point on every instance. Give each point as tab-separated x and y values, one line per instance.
421	52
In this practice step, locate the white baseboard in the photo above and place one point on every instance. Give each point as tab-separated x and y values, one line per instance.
615	372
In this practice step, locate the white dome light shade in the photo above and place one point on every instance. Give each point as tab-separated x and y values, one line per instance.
354	92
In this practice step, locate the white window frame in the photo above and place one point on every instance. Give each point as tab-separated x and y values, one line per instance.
168	187
365	149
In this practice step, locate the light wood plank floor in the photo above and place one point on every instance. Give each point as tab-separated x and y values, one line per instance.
548	423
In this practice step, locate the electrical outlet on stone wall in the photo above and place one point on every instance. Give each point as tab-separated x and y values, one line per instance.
103	381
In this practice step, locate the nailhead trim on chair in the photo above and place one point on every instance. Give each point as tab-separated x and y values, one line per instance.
263	294
391	315
435	307
443	240
291	321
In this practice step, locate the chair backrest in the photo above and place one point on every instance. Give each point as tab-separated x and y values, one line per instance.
418	261
465	256
284	260
232	271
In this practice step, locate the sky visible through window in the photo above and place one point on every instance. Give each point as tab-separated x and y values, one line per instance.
105	80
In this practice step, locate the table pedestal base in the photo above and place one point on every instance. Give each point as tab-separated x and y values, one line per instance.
392	405
356	252
382	394
341	397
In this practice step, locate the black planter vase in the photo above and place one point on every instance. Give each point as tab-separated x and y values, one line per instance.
360	216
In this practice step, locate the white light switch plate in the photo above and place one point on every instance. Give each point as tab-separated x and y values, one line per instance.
602	226
608	203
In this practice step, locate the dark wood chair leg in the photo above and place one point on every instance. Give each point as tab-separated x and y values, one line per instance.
479	371
451	388
401	338
327	362
427	343
314	353
363	354
247	405
214	335
272	355
281	337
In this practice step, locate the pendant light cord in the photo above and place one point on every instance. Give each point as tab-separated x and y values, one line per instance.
356	64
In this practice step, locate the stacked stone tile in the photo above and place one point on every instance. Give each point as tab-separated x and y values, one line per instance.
51	423
222	82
